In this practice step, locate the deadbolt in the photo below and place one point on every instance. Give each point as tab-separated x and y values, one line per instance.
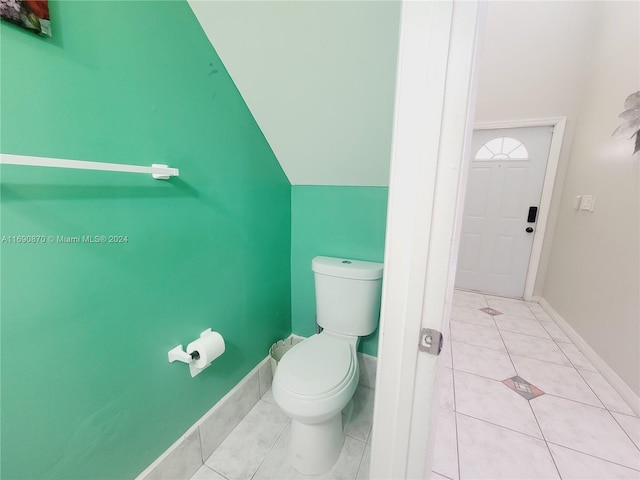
528	230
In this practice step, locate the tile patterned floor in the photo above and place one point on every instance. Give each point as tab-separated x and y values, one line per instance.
519	401
257	448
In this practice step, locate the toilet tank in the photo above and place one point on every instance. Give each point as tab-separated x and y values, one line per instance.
347	295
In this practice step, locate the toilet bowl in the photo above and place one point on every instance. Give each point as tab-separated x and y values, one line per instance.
314	383
315	380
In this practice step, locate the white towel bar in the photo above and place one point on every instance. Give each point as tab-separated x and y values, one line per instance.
159	172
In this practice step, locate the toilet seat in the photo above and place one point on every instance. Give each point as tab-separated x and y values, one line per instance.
318	367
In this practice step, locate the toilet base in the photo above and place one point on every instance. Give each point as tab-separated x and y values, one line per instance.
314	449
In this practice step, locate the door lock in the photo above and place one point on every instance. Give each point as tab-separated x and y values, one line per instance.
528	229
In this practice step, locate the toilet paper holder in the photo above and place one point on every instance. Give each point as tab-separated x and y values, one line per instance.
178	354
192	355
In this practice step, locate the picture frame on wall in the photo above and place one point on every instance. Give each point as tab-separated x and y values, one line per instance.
30	14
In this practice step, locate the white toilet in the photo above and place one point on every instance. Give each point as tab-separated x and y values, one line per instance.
315	380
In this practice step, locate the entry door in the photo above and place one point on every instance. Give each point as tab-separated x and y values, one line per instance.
504	187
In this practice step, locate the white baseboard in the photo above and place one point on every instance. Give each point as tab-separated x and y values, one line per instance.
627	394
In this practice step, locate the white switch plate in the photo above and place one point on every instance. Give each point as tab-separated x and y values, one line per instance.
586	203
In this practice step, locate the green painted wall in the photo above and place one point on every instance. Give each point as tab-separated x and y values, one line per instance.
337	222
87	391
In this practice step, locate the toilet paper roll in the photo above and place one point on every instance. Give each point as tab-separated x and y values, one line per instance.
210	346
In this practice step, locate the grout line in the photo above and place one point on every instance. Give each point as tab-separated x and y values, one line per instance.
529	307
481	346
455	412
631	415
270	450
548	337
361	460
545	361
443	476
577	367
355	438
486	378
571	400
567	356
596	394
507	350
555	339
546	443
623	429
455	416
500	426
469	323
455	423
593	456
201	446
217	472
591	388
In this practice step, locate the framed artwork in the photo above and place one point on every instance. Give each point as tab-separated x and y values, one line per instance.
30	14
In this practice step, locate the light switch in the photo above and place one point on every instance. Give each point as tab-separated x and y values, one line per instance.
576	202
586	203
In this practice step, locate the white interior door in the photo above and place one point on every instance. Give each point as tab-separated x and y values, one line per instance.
506	176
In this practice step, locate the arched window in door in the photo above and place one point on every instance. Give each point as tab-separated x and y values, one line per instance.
502	148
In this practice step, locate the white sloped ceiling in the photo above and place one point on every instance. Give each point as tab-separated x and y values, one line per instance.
319	78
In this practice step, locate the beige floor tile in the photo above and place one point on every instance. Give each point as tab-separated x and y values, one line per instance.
482	361
555	379
527	326
468	299
242	452
585	429
631	425
579	466
494	402
491	452
605	392
277	467
359	425
576	356
445	455
472	315
533	347
476	335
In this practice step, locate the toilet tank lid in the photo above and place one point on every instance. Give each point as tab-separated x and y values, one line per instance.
347	268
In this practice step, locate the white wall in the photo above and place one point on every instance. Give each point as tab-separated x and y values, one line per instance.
319	78
533	59
593	274
532	65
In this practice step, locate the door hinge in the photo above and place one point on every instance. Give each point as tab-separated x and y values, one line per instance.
430	341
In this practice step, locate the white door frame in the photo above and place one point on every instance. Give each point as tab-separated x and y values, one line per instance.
431	133
558	124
